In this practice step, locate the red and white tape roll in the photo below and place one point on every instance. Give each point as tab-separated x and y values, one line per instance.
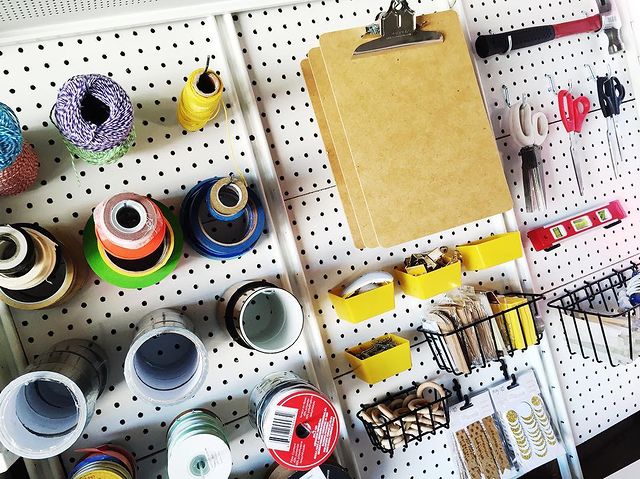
129	226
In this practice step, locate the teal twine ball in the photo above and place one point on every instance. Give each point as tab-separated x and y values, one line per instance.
10	137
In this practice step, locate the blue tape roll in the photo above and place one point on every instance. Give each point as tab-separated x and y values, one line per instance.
195	230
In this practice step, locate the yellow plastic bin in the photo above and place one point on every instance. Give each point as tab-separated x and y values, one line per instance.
428	285
364	305
519	322
491	251
382	365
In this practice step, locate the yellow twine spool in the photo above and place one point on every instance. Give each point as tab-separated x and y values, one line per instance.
200	99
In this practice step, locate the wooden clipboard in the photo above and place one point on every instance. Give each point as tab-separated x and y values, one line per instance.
421	154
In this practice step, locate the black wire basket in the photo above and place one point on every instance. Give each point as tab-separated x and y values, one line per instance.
488	339
595	324
396	432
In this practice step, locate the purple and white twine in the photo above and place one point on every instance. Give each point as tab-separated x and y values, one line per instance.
85	134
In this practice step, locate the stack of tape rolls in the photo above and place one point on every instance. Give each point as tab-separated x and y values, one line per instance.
132	241
18	160
95	118
46	408
325	471
36	269
222	218
297	423
197	447
261	316
105	462
200	99
166	363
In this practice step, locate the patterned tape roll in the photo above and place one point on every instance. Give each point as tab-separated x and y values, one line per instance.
227	198
21	174
129	226
47	407
202	232
262	316
297	423
166	362
197	447
102	269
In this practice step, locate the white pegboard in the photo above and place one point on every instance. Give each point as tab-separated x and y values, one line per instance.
151	63
273	43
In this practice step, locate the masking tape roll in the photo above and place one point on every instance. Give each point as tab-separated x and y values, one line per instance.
164	256
227	198
103	271
129	226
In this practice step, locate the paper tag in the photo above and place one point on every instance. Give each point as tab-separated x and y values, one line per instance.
315	473
280	425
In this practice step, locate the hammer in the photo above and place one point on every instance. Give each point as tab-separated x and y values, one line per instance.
503	43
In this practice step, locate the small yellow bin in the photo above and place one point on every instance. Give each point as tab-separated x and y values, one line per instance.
519	322
431	284
491	251
383	365
364	305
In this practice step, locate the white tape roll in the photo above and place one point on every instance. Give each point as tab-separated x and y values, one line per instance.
166	363
203	456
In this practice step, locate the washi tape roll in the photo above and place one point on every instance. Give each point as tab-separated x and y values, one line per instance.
57	272
17	251
197	447
143	266
227	198
297	423
166	362
215	238
324	471
105	272
129	226
262	316
108	461
46	408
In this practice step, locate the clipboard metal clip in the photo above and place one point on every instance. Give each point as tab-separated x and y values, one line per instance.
398	28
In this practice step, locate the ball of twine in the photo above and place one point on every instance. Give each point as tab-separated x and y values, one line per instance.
10	137
21	174
95	117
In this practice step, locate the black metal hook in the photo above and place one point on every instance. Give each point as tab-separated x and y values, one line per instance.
461	397
507	377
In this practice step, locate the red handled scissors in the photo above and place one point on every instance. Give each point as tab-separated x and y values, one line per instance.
573	112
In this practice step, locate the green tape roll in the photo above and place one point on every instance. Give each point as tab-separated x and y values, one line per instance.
99	267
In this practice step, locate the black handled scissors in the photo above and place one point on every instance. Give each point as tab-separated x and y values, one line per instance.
611	94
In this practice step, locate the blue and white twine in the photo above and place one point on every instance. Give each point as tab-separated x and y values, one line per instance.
10	137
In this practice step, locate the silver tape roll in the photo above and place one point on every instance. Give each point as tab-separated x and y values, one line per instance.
262	316
166	363
44	411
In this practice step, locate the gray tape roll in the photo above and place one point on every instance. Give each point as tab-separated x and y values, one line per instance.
44	410
166	363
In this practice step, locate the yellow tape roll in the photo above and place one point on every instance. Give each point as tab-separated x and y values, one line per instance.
200	99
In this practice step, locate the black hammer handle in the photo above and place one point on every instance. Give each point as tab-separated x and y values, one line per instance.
488	45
